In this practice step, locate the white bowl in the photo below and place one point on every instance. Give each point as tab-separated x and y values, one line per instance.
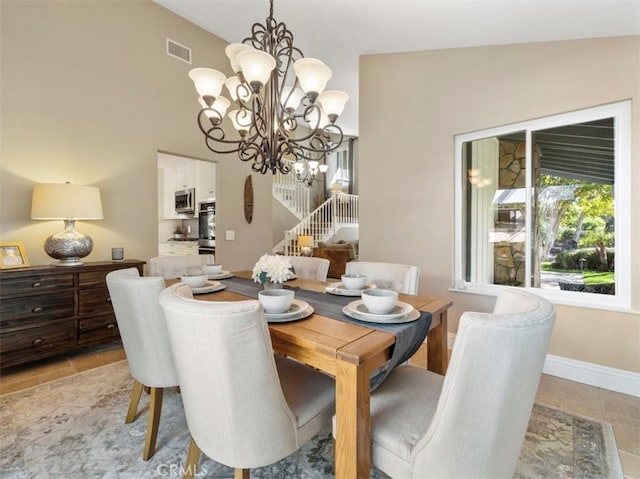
276	300
212	268
354	281
379	301
195	280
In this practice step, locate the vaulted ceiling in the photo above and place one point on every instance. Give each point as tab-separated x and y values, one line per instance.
339	31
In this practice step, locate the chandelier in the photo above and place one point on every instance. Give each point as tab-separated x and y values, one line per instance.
278	113
309	171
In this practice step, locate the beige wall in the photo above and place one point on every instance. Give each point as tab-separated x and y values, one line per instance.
89	96
412	105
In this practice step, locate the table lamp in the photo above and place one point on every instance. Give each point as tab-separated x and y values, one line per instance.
305	243
69	203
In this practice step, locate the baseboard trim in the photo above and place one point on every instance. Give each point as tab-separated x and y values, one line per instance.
625	382
618	380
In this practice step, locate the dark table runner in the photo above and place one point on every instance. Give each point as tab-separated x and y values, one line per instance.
409	336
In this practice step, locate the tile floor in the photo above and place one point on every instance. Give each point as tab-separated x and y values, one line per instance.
621	410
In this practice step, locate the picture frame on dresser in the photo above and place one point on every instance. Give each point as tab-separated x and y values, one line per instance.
13	255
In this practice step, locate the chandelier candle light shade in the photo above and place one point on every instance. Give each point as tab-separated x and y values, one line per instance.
308	171
69	203
280	106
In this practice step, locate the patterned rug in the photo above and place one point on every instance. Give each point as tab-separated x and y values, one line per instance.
74	428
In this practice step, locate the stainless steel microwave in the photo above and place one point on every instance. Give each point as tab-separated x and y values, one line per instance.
186	201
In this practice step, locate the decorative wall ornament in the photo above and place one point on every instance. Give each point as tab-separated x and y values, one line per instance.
248	199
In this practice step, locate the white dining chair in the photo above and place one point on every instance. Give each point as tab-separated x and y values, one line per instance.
145	340
244	408
470	423
402	278
308	267
174	266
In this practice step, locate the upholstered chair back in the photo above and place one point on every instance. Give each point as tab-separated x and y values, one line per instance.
142	327
174	266
488	391
308	267
234	404
402	278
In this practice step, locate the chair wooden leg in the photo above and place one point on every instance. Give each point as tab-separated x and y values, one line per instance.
155	407
133	403
242	474
191	463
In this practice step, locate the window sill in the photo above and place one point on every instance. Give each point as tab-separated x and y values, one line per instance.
567	298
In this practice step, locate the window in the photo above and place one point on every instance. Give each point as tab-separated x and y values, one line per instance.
338	176
545	204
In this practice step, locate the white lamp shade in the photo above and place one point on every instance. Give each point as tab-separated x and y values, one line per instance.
208	81
323	168
298	166
304	240
256	65
232	51
241	119
333	101
313	165
232	83
51	201
291	97
312	74
221	105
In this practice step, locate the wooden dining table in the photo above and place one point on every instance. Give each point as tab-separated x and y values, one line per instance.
350	353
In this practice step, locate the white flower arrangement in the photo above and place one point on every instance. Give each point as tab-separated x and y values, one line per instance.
274	268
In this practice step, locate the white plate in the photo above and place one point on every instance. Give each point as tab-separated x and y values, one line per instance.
399	310
340	290
221	275
211	287
298	310
412	315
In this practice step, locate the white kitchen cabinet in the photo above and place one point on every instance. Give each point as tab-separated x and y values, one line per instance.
206	181
166	200
168	248
185	175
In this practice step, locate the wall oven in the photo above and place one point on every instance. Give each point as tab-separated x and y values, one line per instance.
207	227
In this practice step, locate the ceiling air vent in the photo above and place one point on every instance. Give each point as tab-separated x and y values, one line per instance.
175	50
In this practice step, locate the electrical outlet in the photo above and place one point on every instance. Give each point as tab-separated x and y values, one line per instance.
230	235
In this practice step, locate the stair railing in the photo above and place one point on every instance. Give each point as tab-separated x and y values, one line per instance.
292	194
340	210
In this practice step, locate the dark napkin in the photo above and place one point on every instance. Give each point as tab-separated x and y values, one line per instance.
409	336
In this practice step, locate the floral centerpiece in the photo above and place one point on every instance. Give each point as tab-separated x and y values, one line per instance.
272	269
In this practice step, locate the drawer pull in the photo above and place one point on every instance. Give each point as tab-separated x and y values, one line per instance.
111	326
38	341
108	299
37	309
37	284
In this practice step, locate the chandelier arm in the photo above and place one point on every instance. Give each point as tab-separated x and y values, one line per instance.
324	146
215	135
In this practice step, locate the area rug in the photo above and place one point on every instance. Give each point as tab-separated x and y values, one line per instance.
74	428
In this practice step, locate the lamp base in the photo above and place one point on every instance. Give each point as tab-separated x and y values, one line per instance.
67	262
68	246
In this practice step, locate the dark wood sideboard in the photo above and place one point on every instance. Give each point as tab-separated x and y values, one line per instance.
49	310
